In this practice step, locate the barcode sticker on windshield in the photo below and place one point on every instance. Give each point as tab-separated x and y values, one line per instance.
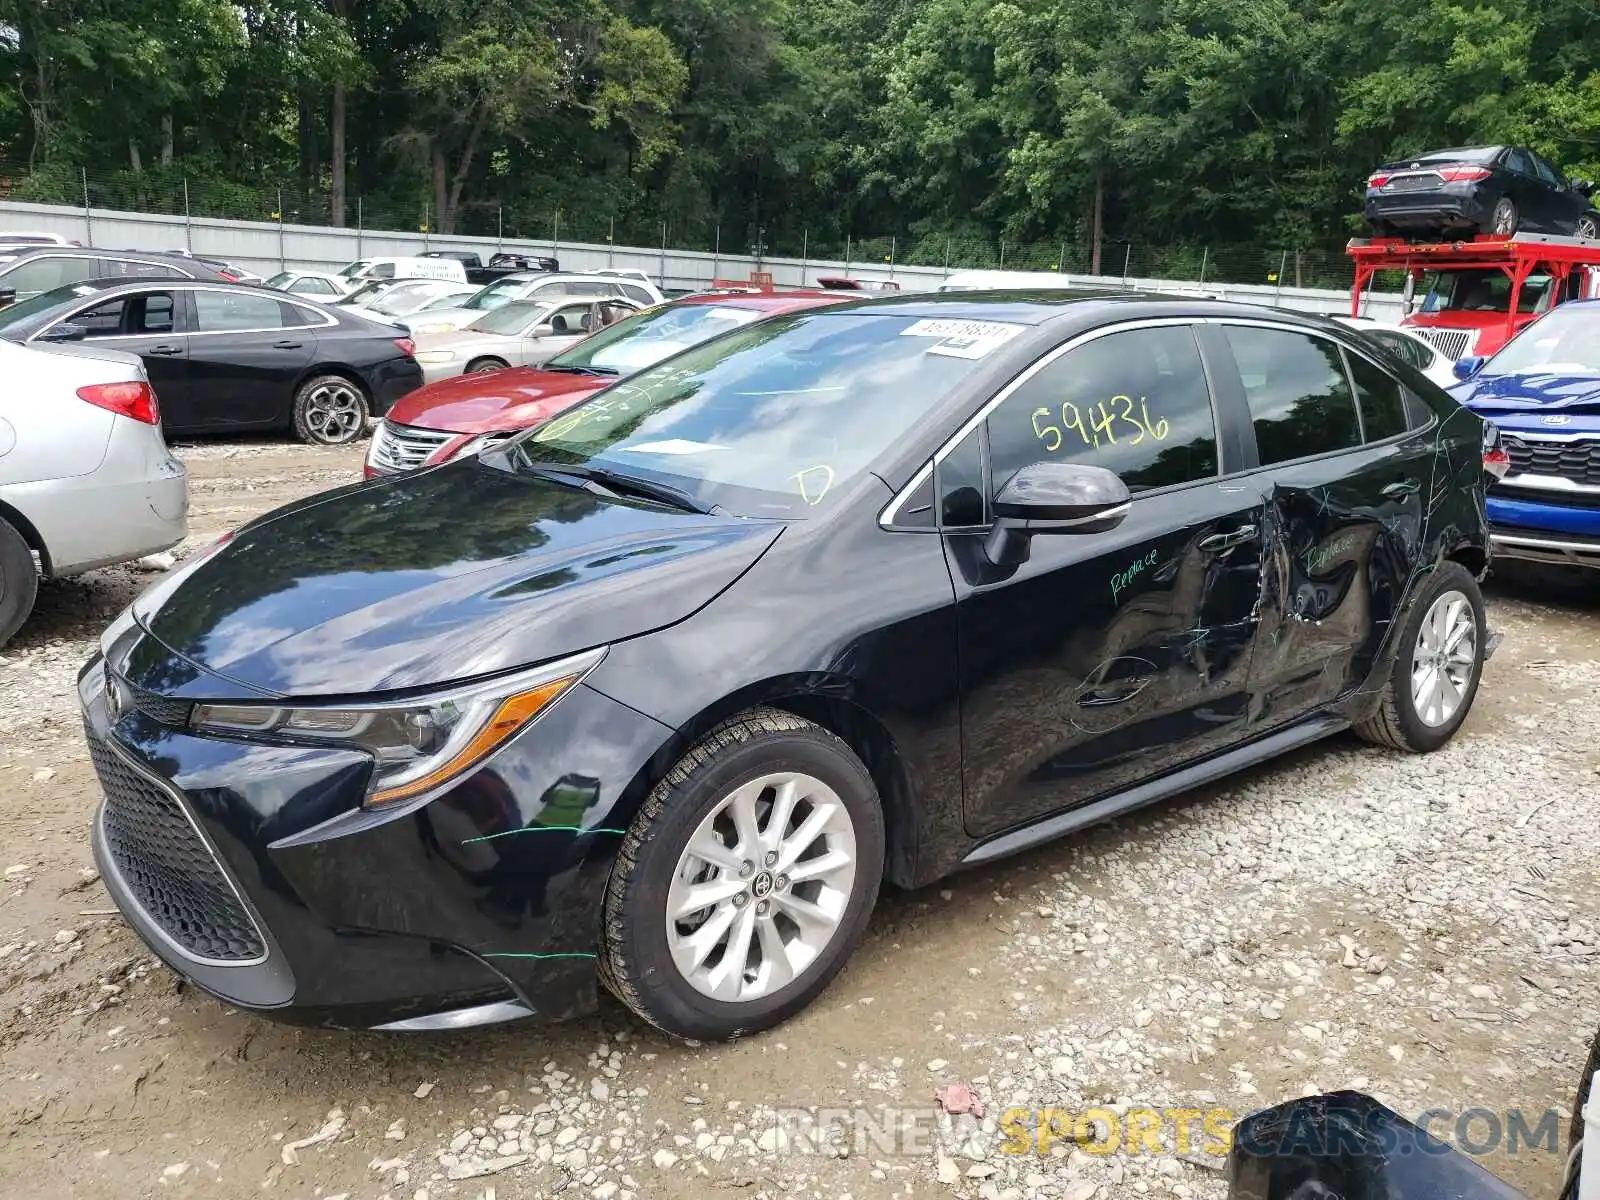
963	339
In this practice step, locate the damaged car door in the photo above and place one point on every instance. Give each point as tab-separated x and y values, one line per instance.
1345	468
1107	657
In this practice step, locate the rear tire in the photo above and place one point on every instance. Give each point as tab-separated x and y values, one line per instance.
19	581
1437	667
1504	217
329	410
1588	226
744	797
1575	1129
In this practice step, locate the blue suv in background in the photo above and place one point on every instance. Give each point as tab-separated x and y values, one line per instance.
1542	390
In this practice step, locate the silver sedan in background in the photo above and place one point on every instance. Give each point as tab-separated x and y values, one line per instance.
86	478
523	333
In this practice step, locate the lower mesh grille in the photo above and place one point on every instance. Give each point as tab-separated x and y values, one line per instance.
170	870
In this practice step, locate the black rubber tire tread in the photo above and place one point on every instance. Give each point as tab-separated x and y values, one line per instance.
303	394
19	581
487	364
619	974
1389	725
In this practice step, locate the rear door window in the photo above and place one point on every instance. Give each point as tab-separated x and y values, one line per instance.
1299	395
43	272
235	312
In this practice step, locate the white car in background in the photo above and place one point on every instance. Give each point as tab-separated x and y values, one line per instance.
320	285
1408	346
388	303
86	478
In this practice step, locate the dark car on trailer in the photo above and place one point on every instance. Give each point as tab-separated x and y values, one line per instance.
233	358
660	691
1469	190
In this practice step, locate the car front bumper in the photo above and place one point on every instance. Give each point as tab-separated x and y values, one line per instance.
1534	530
250	868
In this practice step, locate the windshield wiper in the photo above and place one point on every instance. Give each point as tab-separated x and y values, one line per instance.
574	370
603	481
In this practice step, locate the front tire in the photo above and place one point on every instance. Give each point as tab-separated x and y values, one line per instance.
1437	667
19	581
479	365
746	880
329	410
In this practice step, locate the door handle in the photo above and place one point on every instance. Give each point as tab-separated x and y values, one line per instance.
165	350
1402	488
287	345
1227	541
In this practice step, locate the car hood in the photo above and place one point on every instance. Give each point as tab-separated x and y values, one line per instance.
1531	390
454	318
491	401
422	579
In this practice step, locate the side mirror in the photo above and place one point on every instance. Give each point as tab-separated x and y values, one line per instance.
1408	293
1053	497
1466	368
1583	186
8	297
542	331
64	332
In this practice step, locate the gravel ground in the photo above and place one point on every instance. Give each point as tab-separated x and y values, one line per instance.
1424	928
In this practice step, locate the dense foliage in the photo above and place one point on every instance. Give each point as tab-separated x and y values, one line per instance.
1175	123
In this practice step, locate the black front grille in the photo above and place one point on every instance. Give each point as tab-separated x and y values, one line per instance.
160	709
1578	461
172	873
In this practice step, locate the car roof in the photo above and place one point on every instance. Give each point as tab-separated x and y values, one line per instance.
15	251
761	301
1043	306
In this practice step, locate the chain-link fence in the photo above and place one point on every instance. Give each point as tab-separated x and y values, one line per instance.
166	190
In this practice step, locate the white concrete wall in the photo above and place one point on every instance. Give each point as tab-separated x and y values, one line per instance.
266	248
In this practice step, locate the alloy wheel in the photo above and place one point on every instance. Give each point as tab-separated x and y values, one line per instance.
335	412
761	887
1444	659
1505	216
1587	227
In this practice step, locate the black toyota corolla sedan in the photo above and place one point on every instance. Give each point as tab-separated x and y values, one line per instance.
661	691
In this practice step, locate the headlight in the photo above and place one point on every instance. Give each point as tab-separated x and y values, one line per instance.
434	356
481	442
417	744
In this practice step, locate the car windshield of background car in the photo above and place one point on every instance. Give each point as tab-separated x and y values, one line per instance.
773	420
27	317
1564	342
501	291
650	336
511	319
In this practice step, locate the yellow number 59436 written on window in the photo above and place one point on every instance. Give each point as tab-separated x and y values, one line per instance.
1101	425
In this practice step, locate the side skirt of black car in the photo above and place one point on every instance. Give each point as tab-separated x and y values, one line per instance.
1237	759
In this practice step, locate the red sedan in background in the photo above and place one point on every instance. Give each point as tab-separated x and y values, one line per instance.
463	414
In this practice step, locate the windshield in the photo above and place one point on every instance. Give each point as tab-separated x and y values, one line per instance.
367	292
401	299
496	294
1565	341
356	268
282	279
773	420
27	317
1482	291
646	338
509	318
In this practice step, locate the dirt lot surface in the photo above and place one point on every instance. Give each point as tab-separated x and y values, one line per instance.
1424	928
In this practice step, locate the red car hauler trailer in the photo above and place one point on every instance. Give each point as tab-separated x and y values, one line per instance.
1479	293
